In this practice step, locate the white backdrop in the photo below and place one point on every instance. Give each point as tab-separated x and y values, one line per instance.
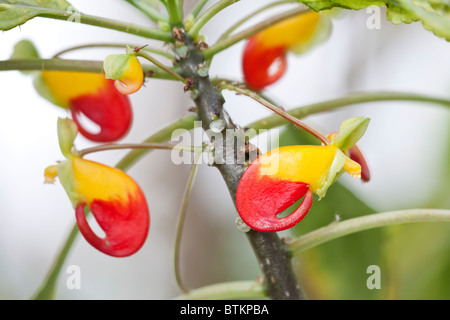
403	147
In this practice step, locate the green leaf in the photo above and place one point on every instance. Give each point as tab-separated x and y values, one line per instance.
115	65
24	49
350	131
434	14
67	132
14	13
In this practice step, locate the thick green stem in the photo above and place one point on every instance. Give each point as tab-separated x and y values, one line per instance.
340	229
109	24
272	254
72	65
175	12
227	290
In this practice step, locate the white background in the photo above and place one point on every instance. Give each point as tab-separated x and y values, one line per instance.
404	147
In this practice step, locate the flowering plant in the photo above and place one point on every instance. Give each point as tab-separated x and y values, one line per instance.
297	187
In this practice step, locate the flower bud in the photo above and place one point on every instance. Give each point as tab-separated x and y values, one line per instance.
126	70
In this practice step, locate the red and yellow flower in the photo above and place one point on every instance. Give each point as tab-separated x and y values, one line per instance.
264	58
95	97
282	176
115	199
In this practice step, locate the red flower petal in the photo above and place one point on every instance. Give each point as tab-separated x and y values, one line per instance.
125	225
260	198
262	66
356	155
108	108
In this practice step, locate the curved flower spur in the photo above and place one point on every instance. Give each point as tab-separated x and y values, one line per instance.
279	178
115	200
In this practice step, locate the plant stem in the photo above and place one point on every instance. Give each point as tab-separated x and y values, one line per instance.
174	11
227	290
208	15
114	45
180	225
351	99
108	24
277	110
232	40
47	290
270	250
240	22
148	10
340	229
148	145
160	65
72	65
198	8
165	134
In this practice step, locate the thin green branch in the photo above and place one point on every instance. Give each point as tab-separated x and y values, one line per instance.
72	65
148	10
240	22
277	110
160	65
200	4
227	290
186	123
208	15
149	33
340	229
245	34
138	146
115	45
47	290
180	225
351	99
